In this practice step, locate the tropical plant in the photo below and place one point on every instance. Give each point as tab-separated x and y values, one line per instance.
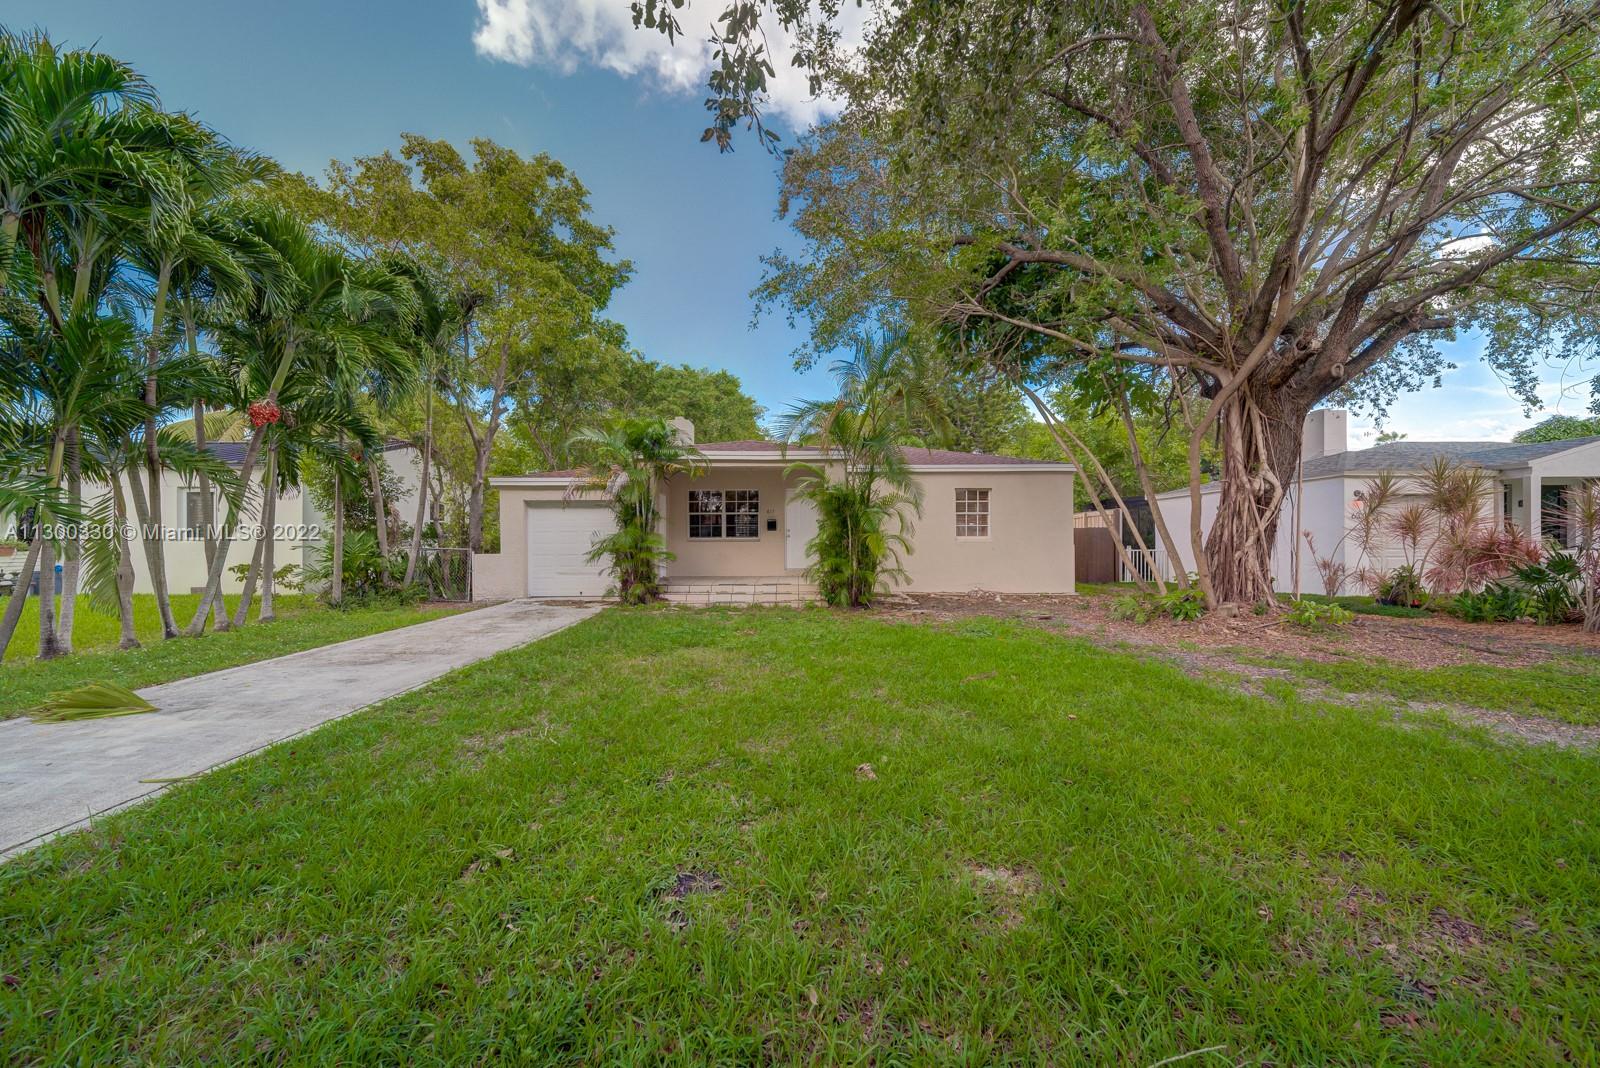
1309	615
1183	605
861	487
368	575
629	462
1581	516
1402	586
327	324
1552	587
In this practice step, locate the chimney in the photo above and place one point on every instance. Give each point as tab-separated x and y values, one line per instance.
683	429
1326	433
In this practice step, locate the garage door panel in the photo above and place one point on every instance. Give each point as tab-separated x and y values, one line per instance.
559	540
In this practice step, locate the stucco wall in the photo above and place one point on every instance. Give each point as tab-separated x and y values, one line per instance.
1322	511
1029	548
762	556
502	575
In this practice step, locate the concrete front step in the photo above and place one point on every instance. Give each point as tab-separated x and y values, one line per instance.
759	591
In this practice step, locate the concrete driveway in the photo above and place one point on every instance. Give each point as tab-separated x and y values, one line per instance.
57	776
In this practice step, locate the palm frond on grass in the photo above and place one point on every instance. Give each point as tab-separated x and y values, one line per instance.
97	700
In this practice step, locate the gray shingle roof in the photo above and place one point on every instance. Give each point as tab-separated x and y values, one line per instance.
1418	455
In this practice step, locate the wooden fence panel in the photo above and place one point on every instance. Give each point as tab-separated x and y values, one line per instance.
1094	555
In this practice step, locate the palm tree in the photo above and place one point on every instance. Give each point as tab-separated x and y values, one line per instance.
441	323
327	323
630	462
62	117
862	488
67	379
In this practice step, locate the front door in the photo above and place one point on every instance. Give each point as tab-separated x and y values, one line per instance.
799	527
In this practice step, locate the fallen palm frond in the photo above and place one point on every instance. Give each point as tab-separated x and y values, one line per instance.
97	700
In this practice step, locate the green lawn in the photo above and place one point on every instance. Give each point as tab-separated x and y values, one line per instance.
1564	688
778	836
302	623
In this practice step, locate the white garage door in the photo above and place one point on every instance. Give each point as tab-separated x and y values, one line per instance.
559	537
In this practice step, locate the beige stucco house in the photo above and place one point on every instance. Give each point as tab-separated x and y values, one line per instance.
1530	483
739	533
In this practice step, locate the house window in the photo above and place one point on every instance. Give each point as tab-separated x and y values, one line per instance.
191	512
972	513
724	514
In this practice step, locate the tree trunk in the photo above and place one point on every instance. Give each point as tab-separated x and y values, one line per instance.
422	490
10	221
269	522
48	647
208	506
73	568
480	480
336	585
155	549
150	537
380	511
119	517
251	577
197	625
1260	449
19	596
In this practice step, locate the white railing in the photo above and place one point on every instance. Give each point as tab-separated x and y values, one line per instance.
1147	564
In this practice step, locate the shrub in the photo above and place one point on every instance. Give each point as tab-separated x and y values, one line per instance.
1132	608
369	576
1548	593
1313	616
1402	586
1552	588
1183	605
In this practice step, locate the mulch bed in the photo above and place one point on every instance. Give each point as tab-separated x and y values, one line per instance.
1437	641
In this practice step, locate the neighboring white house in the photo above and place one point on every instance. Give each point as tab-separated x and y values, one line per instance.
739	532
299	527
1532	480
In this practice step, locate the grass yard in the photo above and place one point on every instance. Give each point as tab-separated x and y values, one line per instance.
1565	688
777	836
302	623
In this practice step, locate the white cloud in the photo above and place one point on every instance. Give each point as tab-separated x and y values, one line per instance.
563	35
1462	247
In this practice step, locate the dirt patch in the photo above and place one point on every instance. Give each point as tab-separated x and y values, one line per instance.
1437	641
1005	890
475	747
481	864
1529	730
687	884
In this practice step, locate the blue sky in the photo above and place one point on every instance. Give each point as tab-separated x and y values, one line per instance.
306	82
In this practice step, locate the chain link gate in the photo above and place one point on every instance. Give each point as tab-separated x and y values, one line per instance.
446	573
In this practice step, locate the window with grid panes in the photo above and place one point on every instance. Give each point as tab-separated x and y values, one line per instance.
724	514
972	513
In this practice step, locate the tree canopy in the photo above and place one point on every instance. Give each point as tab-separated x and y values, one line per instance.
1251	207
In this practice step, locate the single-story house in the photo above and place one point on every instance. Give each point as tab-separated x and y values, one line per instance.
1531	479
300	529
739	533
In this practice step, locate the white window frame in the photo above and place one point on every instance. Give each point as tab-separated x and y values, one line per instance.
732	503
973	513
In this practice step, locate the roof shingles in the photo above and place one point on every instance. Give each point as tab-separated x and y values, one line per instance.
1418	455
